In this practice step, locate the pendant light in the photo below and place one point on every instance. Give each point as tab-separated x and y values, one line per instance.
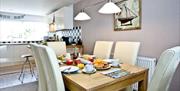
109	8
82	16
52	26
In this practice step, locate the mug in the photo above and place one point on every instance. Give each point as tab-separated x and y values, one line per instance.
89	67
115	62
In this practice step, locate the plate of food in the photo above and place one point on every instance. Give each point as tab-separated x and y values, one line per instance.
69	69
89	72
99	64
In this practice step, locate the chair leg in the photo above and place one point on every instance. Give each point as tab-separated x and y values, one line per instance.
22	70
31	69
22	78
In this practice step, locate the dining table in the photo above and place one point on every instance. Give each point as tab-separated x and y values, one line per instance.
100	82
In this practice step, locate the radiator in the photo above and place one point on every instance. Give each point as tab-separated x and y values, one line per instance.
146	62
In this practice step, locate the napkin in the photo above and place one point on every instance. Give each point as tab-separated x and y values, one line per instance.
115	73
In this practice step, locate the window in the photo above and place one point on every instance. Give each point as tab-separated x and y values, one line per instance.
14	30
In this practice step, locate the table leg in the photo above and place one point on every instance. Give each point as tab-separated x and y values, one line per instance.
142	85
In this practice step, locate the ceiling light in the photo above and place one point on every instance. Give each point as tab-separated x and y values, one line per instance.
52	26
82	16
109	8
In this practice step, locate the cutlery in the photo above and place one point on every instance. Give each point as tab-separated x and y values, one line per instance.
66	69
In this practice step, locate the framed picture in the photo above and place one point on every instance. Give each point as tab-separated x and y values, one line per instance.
130	16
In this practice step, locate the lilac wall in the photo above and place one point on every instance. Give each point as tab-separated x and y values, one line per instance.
160	26
160	29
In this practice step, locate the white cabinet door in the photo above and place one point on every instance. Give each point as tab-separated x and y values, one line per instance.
68	19
63	18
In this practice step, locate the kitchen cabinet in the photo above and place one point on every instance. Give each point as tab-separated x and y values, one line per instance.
63	18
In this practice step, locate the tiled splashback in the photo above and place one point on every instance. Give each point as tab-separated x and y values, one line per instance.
73	34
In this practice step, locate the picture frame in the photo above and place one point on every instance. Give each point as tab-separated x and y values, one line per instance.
130	16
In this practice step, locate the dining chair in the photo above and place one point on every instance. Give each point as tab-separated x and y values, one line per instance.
165	69
102	49
126	51
58	47
42	85
52	73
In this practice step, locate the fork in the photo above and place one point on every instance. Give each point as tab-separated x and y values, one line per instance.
66	69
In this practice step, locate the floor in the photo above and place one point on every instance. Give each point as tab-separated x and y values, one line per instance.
9	76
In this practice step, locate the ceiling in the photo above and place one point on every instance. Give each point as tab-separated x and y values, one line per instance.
33	7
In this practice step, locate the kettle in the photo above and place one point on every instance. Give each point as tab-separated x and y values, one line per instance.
68	40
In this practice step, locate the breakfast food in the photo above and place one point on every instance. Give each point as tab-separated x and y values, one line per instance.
62	57
80	65
100	64
88	57
77	61
69	62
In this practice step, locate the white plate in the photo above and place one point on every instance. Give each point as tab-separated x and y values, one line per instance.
84	71
111	60
69	69
108	67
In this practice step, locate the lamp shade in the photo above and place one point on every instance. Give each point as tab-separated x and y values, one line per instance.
82	16
109	8
52	27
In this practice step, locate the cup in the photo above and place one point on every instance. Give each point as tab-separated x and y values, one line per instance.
115	62
68	56
89	68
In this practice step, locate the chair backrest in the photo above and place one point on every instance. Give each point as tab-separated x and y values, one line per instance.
165	69
126	52
58	47
102	49
42	85
53	74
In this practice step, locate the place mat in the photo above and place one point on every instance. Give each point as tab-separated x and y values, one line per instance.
115	73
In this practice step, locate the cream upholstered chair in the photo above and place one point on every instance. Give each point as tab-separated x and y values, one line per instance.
102	49
165	69
42	85
52	73
126	51
58	47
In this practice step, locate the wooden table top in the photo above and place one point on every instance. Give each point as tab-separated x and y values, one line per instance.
87	82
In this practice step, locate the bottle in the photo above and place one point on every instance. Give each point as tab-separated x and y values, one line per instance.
57	38
75	54
79	41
